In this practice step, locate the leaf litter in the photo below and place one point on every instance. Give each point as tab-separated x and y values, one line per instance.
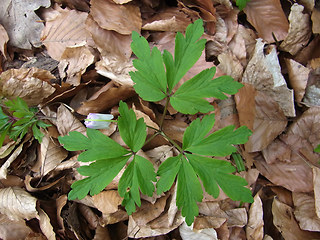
270	46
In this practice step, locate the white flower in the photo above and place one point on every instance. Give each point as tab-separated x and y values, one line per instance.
98	120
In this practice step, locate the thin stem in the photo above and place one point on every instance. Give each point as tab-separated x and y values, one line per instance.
150	139
164	112
172	142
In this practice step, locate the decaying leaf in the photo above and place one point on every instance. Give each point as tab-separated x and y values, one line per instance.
264	73
120	18
74	62
4	38
254	229
13	230
230	65
187	233
305	212
45	225
316	189
262	115
312	95
268	18
65	30
315	17
17	204
299	30
22	23
107	202
30	84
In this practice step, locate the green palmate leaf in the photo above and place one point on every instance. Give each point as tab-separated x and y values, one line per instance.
317	149
220	143
138	175
150	77
100	173
5	126
132	131
213	172
97	145
241	4
189	191
190	97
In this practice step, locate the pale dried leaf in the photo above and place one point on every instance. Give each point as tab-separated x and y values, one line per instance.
305	212
146	118
67	29
120	18
169	20
285	222
299	30
4	38
29	188
13	230
312	95
160	154
5	150
116	69
51	154
107	202
238	44
67	122
262	115
315	18
264	73
102	233
109	42
17	204
121	1
298	78
237	217
45	225
90	216
30	84
254	228
187	233
316	189
21	22
60	203
230	65
74	62
268	18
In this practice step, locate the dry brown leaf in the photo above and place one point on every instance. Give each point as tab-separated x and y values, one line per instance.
74	62
305	212
17	204
22	23
60	203
230	65
146	118
299	30
288	161
169	20
298	78
160	154
30	84
237	217
268	18
316	189
120	18
109	42
264	73
285	222
45	225
312	95
315	18
13	230
106	100
65	30
262	115
29	188
102	233
4	38
254	228
90	216
187	233
67	122
81	5
107	202
51	154
238	44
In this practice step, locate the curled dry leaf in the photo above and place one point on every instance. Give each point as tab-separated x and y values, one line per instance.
262	115
107	202
90	216
264	73
45	225
13	230
4	38
109	42
316	189
268	18
315	18
74	62
187	233
230	65
299	30
120	18
298	78
50	155
254	228
30	84
21	22
304	211
169	20
288	159
17	204
65	30
284	221
102	233
67	122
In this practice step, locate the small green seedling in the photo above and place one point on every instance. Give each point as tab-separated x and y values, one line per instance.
156	76
19	120
241	4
